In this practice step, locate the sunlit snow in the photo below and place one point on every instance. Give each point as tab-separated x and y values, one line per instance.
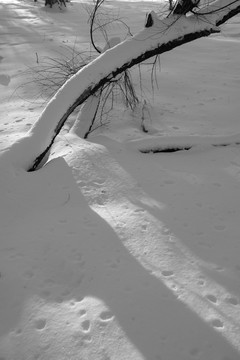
111	251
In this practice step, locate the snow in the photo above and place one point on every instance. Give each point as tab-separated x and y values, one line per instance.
107	252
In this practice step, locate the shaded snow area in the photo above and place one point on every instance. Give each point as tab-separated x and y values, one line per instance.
124	246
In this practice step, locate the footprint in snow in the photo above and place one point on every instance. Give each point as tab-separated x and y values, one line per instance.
106	315
144	227
40	324
201	282
86	339
4	79
232	300
217	323
82	312
167	273
86	326
212	298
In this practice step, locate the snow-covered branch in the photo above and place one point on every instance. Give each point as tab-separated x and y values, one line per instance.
162	35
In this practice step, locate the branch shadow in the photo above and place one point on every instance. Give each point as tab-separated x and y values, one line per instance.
56	247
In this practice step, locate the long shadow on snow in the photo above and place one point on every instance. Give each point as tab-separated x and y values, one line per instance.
62	250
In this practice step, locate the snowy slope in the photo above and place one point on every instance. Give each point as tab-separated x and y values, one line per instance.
109	253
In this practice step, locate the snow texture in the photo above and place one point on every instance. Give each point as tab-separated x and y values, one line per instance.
107	252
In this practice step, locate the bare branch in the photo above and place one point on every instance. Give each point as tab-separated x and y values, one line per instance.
164	35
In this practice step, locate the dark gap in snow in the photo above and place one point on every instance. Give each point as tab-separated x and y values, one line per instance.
181	148
220	145
165	150
226	144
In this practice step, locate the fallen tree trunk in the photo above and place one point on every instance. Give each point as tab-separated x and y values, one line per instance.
160	36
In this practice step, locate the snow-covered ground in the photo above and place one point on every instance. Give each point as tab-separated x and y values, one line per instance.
108	252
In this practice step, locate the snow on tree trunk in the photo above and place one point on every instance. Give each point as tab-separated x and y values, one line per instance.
86	117
163	35
87	114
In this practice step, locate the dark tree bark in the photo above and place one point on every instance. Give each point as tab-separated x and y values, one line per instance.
182	7
52	2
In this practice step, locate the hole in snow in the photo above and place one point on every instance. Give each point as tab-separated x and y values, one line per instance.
106	315
86	325
232	301
217	323
212	298
167	273
40	324
82	312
